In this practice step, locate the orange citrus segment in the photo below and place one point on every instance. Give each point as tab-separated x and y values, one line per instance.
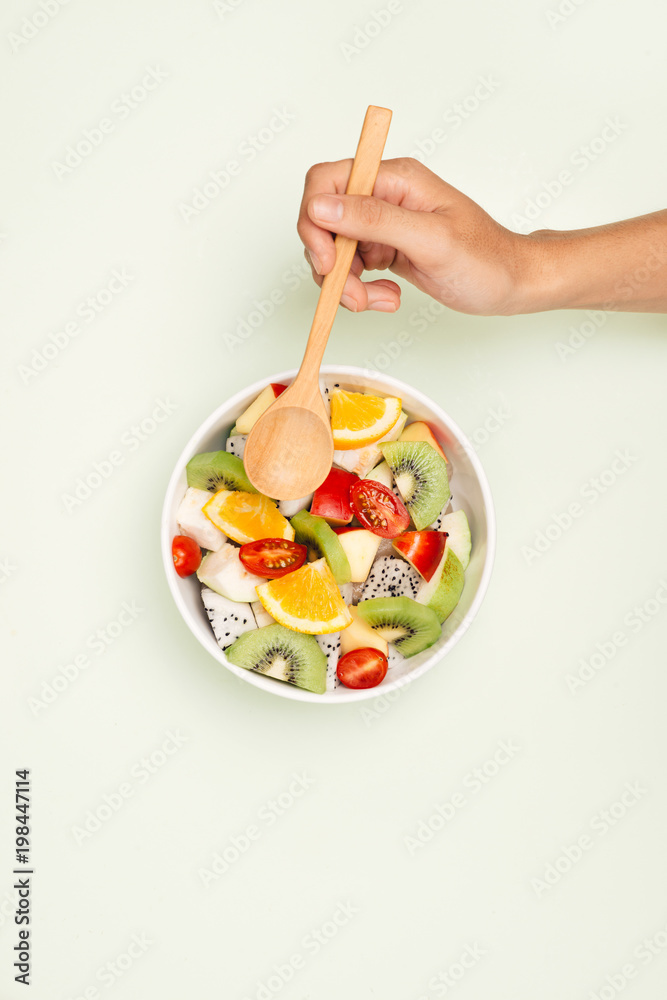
247	517
358	419
307	600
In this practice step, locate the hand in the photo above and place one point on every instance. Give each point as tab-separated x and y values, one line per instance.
420	228
424	230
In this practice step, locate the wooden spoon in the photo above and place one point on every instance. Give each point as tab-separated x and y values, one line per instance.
290	449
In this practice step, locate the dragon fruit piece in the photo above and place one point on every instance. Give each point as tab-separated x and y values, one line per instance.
437	524
391	577
385	548
229	619
236	444
326	389
330	646
394	658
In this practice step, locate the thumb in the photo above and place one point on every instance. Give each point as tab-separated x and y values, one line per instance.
369	219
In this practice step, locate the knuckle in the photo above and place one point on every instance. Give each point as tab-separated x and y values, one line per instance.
315	171
409	165
372	212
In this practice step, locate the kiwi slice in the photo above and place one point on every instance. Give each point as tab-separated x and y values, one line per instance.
318	535
276	651
218	470
420	474
409	626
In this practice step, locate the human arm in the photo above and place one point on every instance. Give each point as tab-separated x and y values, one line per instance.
424	230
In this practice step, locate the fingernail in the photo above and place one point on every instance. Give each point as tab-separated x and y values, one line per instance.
348	302
327	209
314	261
383	306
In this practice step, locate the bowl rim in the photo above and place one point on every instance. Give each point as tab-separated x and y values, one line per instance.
288	690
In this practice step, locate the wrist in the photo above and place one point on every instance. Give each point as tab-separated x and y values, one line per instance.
617	266
540	278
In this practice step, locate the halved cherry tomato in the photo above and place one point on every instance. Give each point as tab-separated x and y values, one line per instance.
378	509
362	668
278	387
186	555
272	557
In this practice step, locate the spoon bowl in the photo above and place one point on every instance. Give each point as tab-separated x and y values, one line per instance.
290	437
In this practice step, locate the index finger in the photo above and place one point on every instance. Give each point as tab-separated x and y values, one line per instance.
403	181
323	178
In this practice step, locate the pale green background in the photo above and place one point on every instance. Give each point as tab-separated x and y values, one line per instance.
375	778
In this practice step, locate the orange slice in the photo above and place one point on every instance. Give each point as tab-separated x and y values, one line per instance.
247	517
307	600
358	419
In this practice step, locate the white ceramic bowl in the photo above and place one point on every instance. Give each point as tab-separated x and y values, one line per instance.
470	490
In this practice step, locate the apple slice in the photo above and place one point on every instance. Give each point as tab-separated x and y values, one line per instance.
420	431
359	635
331	500
422	549
249	417
224	573
360	546
442	592
262	616
193	522
382	474
288	508
456	526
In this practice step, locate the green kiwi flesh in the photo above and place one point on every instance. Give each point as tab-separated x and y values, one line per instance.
410	626
420	474
276	651
218	470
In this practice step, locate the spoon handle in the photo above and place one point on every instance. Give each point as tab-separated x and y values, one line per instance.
362	180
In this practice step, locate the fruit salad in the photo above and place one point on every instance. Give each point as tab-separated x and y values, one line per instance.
341	586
